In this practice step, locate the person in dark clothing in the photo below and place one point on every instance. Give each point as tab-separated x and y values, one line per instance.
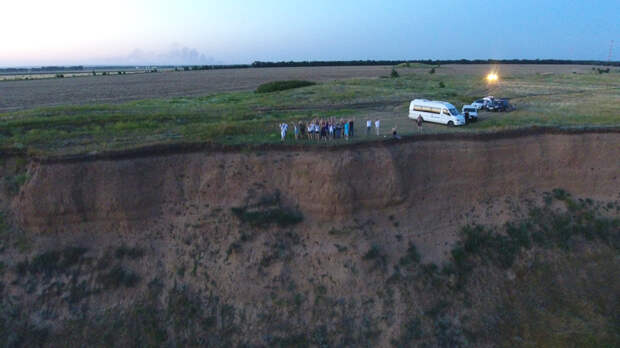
302	129
351	132
323	130
395	134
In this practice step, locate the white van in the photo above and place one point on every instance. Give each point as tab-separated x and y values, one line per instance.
472	111
435	111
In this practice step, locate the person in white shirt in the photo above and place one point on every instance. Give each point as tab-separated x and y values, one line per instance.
283	129
368	126
377	125
310	130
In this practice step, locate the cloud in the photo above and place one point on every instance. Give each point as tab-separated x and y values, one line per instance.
174	56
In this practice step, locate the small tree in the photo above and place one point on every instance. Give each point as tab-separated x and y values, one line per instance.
432	70
394	74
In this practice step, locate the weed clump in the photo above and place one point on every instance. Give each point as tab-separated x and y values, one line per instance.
269	210
280	216
376	255
118	277
53	261
276	86
412	256
544	227
131	253
14	183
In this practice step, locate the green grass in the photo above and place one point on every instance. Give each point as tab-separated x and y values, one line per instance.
544	227
52	262
557	100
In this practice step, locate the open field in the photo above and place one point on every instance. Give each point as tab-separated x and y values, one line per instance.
16	95
557	96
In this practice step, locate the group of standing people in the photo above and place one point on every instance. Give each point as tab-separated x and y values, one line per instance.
327	129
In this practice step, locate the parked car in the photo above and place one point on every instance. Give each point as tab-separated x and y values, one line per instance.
470	113
479	104
499	105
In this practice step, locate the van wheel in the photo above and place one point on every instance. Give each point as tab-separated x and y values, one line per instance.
450	124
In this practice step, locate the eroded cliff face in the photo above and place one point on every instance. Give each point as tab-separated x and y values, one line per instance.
436	186
269	244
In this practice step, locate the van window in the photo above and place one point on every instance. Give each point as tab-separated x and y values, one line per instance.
426	109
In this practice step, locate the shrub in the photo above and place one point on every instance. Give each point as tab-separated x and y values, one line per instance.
132	253
14	183
441	84
3	224
432	71
412	256
267	211
53	261
394	74
373	253
261	218
60	76
282	85
118	277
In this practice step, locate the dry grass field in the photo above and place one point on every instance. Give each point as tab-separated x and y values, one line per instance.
16	95
85	114
82	90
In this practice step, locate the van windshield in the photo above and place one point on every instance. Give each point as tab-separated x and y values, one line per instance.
453	112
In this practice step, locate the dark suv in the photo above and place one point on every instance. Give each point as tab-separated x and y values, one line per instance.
499	105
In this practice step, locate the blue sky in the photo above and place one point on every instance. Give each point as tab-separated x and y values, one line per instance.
196	32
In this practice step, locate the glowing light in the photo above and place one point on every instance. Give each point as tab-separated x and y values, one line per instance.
492	77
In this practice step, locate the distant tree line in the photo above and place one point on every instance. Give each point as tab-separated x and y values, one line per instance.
214	67
259	64
43	69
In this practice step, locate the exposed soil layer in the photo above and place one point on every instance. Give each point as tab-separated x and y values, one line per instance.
435	184
334	246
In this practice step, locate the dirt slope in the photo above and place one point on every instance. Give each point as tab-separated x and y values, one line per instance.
436	186
291	246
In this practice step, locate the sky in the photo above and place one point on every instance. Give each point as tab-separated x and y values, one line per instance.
136	32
